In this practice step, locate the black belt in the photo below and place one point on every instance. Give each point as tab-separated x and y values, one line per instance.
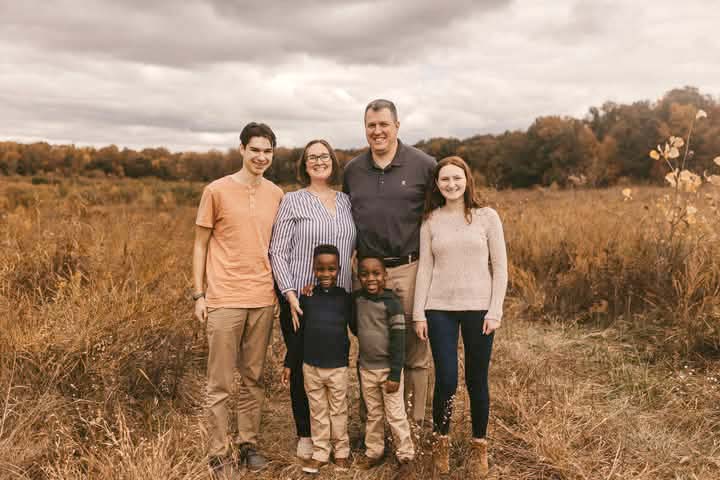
391	262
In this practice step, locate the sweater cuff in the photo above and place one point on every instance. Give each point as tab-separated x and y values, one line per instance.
492	315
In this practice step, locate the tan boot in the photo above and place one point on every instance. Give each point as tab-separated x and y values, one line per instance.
476	466
441	456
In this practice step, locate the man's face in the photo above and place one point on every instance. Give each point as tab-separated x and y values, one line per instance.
381	130
371	273
326	269
257	155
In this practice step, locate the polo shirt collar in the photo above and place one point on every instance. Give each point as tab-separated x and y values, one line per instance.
330	291
397	161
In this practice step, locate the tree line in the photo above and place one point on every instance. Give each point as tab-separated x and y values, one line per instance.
609	145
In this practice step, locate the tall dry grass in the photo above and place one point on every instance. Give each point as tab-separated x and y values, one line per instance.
102	365
95	338
597	257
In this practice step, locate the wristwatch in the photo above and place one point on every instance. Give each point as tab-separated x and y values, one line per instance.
195	296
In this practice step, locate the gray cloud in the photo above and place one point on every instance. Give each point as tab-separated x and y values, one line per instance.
196	32
190	74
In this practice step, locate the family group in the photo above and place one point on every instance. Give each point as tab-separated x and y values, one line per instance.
407	257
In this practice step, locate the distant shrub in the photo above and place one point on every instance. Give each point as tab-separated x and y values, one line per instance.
40	180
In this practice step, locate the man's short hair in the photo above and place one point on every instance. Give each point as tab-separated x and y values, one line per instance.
254	129
375	257
379	104
326	248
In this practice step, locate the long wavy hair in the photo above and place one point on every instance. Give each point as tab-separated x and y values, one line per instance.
434	199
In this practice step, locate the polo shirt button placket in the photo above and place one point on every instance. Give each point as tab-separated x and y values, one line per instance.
251	197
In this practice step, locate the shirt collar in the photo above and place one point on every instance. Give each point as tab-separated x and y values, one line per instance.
386	293
324	291
397	161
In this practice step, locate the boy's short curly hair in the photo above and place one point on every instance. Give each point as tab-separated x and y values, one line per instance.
326	248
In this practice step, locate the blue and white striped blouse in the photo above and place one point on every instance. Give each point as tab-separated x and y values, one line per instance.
302	223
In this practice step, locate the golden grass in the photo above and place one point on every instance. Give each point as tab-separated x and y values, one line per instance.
606	366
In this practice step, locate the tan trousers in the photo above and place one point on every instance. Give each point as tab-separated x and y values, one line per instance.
236	336
326	390
417	352
382	405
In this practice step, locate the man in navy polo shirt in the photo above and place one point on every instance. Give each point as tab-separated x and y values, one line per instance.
387	190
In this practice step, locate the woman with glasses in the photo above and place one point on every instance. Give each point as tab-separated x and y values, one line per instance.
314	215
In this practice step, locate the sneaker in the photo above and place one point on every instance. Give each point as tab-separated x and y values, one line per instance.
366	463
304	448
405	471
312	466
342	464
254	460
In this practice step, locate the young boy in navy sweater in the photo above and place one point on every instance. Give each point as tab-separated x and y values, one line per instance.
324	346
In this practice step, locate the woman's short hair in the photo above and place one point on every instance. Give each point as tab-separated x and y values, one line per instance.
302	175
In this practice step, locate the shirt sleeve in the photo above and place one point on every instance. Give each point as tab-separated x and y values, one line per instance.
353	315
498	260
396	323
423	277
349	312
281	244
207	210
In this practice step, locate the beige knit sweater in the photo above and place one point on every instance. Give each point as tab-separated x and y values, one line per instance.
454	267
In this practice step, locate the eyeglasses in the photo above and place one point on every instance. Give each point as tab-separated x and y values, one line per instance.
324	158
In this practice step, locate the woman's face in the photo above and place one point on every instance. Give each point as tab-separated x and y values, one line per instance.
318	163
451	182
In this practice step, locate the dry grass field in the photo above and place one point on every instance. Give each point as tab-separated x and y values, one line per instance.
607	365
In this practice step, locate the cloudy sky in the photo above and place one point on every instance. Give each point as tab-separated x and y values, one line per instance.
189	74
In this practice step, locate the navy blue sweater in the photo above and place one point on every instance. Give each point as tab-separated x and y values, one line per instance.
322	339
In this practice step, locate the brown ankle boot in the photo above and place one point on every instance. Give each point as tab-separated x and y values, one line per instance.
441	456
477	463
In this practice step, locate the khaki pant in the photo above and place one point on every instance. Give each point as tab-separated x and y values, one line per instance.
401	280
326	390
382	405
236	336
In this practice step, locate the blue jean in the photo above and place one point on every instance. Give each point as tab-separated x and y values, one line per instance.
443	330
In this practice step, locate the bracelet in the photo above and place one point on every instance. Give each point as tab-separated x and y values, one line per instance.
197	296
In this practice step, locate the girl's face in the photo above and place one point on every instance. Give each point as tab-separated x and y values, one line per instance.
318	163
451	182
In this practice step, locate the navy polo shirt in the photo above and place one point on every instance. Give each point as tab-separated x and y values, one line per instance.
387	204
